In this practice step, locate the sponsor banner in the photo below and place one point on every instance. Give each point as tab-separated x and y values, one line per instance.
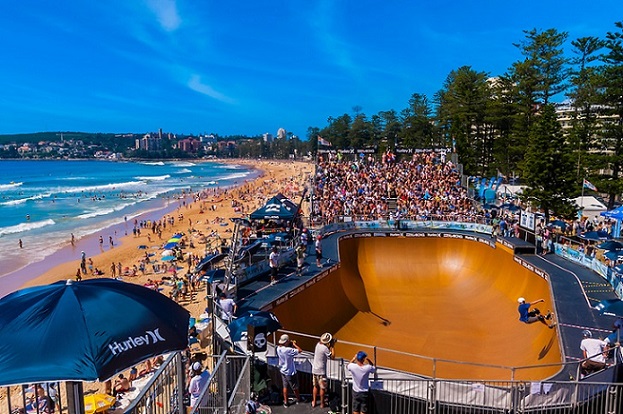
531	267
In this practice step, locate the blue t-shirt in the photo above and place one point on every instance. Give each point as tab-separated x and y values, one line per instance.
524	308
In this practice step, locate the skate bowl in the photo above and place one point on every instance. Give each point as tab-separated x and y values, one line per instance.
434	306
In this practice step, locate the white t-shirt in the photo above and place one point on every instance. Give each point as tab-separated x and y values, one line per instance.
286	359
227	307
321	354
196	385
594	349
272	259
360	375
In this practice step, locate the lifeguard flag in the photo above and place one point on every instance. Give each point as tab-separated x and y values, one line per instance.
322	141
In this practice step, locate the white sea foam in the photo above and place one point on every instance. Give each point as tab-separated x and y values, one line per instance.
10	185
183	164
24	227
183	171
153	178
234	176
153	163
103	187
23	200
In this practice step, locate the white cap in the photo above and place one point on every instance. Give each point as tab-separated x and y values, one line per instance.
197	366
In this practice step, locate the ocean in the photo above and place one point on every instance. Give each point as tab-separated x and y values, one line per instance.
42	203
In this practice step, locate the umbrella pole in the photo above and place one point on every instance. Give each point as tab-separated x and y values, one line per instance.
75	397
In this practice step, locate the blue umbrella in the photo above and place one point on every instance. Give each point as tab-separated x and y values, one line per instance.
611	245
168	258
170	245
614	255
85	331
610	307
595	235
214	275
238	327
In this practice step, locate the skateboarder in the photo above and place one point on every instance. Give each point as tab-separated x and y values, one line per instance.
530	316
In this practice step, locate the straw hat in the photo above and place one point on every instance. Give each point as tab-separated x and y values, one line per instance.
326	338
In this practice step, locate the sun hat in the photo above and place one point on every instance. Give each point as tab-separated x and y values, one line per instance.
284	339
197	366
586	333
521	300
326	338
361	356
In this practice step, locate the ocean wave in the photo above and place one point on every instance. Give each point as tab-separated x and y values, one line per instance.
9	185
183	164
103	187
24	200
22	227
152	163
234	176
153	178
183	171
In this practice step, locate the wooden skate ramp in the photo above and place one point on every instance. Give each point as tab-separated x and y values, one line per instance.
449	299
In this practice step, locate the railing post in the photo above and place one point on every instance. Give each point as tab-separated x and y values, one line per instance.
181	386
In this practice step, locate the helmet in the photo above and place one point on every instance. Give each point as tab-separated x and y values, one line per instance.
521	300
587	334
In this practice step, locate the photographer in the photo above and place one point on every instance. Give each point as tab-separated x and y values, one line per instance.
286	351
360	367
323	351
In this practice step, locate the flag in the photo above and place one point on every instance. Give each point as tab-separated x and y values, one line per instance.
589	185
322	141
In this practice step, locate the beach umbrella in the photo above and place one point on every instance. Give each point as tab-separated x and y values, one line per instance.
214	275
595	235
97	403
85	331
169	258
167	252
258	319
610	307
562	225
614	254
611	245
170	245
174	240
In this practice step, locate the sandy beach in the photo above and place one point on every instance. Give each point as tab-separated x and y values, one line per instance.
199	220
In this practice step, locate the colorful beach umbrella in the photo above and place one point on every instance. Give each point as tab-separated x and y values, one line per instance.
97	403
85	331
174	240
170	245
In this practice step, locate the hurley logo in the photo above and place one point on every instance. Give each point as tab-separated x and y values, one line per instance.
150	338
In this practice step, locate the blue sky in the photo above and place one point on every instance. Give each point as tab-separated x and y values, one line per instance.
200	66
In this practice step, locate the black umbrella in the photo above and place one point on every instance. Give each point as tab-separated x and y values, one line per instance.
85	331
238	327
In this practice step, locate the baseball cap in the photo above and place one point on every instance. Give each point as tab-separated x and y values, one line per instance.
284	339
361	356
587	333
521	300
197	366
326	338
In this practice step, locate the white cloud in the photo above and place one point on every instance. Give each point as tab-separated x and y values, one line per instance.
166	12
196	85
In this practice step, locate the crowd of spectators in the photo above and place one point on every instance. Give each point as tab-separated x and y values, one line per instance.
426	186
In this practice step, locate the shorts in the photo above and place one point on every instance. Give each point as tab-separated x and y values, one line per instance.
319	381
360	402
300	261
318	254
289	380
273	272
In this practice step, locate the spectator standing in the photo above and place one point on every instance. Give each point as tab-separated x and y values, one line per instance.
286	351
197	382
360	367
318	248
273	262
228	307
323	351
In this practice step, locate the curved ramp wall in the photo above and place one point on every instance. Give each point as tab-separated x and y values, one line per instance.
443	298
